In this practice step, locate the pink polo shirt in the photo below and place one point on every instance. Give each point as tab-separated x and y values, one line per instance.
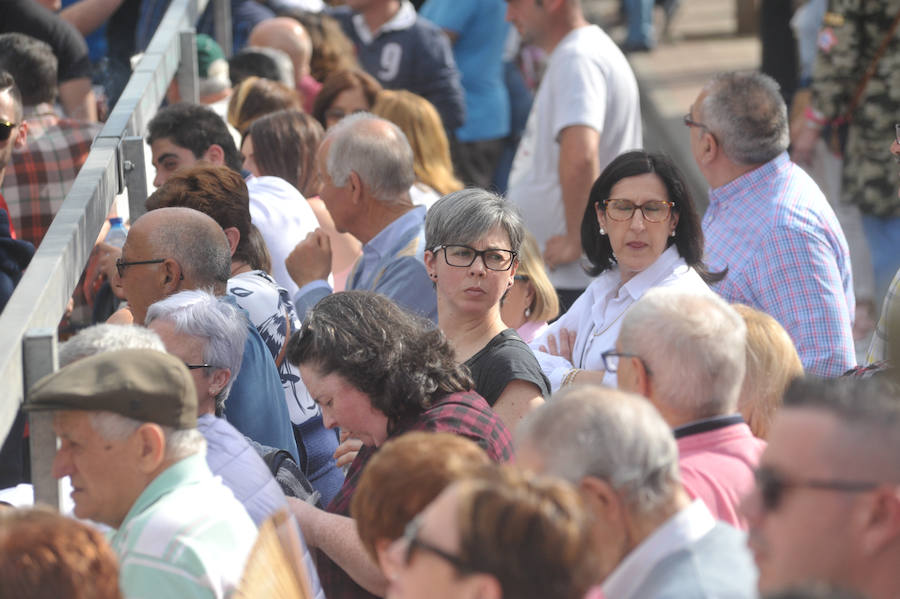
717	466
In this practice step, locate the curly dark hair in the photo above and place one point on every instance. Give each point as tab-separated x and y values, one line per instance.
401	361
688	233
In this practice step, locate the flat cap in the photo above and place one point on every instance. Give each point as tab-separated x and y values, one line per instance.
142	384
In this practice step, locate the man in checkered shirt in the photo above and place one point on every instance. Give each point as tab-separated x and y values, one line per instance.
768	223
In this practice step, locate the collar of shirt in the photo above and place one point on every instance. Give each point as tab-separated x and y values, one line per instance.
680	531
404	19
755	179
644	280
383	244
39	117
189	470
706	425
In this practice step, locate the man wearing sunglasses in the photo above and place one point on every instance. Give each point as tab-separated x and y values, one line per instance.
14	254
768	222
650	538
827	500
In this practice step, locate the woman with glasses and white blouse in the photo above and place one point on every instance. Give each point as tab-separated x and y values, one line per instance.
640	230
472	240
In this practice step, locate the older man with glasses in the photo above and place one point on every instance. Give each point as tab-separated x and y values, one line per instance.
827	500
685	352
768	223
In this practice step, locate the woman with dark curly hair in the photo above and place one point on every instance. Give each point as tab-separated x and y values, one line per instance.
378	372
640	230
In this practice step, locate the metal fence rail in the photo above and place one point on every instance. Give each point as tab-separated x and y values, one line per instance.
116	161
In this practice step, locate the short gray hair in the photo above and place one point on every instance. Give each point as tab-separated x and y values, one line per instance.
107	337
201	251
179	443
694	346
198	313
465	216
618	437
376	150
748	116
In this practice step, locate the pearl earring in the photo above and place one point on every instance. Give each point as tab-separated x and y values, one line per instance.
672	234
602	231
528	312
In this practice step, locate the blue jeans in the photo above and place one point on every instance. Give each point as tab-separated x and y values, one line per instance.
639	14
883	235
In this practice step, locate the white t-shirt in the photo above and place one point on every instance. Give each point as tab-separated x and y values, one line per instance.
284	218
588	82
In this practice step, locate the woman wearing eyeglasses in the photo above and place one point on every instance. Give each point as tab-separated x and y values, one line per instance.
473	238
640	230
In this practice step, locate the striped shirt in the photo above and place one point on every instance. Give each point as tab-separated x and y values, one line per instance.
786	255
185	536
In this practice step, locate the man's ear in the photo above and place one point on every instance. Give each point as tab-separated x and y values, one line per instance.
214	154
218	379
643	382
173	276
879	520
21	135
485	586
356	187
709	148
150	444
429	260
600	497
234	237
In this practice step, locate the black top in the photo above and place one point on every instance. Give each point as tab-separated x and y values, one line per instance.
504	359
30	18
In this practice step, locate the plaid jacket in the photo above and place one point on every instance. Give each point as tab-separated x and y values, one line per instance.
466	414
42	172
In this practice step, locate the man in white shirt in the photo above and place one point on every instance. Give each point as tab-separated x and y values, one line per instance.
586	112
650	538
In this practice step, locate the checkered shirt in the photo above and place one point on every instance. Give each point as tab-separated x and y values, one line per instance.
786	255
42	172
466	414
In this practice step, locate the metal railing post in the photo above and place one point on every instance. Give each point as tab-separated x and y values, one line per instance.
39	349
222	25
132	149
188	72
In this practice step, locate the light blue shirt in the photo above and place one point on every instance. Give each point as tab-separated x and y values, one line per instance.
393	264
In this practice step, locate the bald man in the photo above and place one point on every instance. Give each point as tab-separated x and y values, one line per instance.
289	36
174	249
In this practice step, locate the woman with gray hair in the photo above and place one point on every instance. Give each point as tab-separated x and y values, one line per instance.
473	239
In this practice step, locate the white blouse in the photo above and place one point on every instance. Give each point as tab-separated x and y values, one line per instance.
596	316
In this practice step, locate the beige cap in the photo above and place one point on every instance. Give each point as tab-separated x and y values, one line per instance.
142	384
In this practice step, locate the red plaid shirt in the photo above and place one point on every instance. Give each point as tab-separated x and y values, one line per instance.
42	172
466	414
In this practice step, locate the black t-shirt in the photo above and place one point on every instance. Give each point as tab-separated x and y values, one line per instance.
504	359
30	18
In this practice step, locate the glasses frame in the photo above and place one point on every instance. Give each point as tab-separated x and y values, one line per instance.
413	543
605	205
772	486
121	265
477	253
690	122
611	353
198	366
6	128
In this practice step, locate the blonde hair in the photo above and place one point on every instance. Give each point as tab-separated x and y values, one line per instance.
546	303
772	363
421	124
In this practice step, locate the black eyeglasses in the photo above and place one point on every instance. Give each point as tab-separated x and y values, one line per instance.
463	255
772	486
611	360
521	278
6	129
413	542
198	366
121	265
654	211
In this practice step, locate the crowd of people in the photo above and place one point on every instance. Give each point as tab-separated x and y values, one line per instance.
469	341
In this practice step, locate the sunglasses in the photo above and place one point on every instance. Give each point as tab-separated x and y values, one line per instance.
772	486
6	129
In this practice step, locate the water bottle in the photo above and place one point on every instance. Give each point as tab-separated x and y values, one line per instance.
117	232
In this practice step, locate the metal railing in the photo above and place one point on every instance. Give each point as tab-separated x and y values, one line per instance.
29	322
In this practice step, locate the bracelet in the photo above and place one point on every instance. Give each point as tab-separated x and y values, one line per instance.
814	116
570	377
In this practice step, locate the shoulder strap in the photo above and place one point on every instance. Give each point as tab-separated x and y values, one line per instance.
870	71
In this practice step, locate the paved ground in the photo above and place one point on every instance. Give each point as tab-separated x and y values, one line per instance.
703	43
